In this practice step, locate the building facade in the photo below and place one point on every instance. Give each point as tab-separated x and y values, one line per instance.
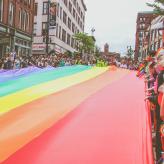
106	54
16	26
69	20
144	20
156	32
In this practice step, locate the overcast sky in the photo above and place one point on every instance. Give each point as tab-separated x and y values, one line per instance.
114	21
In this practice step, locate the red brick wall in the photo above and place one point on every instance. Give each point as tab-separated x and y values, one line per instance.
149	18
5	13
19	4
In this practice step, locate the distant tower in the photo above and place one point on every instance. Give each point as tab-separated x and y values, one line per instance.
106	48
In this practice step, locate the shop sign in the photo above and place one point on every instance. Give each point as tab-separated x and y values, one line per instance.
58	49
38	47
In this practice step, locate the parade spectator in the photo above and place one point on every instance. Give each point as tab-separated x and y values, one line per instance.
14	61
153	67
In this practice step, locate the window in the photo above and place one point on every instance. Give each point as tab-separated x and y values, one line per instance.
70	7
25	2
143	25
45	8
44	39
75	30
63	35
83	18
59	32
72	43
20	18
58	7
77	6
74	13
69	23
64	17
35	28
23	20
29	2
65	2
61	10
56	30
81	15
76	17
79	10
36	9
44	28
44	25
73	27
11	14
74	2
156	46
161	43
1	10
68	39
153	36
78	20
27	21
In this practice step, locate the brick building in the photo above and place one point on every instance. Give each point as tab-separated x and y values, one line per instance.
156	32
108	54
144	20
16	26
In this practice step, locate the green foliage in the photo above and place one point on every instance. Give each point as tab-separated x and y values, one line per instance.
158	6
75	54
68	53
86	43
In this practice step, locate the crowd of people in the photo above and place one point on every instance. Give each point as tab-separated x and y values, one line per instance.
129	64
153	70
121	62
13	61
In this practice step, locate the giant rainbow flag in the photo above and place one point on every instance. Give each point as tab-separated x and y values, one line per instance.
73	115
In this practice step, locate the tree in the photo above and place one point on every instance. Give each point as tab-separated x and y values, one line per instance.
68	53
85	42
158	6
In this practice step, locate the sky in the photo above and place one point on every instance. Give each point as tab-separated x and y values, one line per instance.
114	21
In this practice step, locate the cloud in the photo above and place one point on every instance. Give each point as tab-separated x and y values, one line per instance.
114	21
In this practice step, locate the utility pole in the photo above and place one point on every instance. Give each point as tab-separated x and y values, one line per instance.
47	30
